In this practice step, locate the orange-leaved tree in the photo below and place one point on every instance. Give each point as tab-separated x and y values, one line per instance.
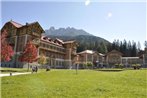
42	59
29	54
6	51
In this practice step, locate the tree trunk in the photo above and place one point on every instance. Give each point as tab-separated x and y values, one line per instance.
28	66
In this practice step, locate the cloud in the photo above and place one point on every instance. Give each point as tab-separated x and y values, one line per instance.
87	2
109	15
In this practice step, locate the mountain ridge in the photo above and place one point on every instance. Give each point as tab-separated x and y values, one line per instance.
84	39
69	31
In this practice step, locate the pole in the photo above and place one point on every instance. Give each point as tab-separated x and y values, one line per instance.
77	65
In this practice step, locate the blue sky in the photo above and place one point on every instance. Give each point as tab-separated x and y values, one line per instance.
110	20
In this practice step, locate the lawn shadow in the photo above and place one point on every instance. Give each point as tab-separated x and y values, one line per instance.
110	70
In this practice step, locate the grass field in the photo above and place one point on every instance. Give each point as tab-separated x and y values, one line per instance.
86	84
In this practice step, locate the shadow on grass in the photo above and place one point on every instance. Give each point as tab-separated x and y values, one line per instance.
110	70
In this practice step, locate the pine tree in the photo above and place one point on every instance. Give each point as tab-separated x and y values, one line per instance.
138	47
145	44
103	48
129	48
134	49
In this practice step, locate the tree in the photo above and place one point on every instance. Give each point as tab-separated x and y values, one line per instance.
138	47
6	50
103	48
145	44
29	54
134	49
42	59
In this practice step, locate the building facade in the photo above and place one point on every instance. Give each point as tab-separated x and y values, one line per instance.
144	57
58	52
116	57
113	57
89	56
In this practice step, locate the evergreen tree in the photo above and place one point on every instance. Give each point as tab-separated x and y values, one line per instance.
129	48
103	47
138	47
145	44
125	48
134	49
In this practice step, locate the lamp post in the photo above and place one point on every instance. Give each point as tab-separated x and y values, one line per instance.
77	65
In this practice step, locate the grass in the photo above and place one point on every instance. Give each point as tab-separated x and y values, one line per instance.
86	84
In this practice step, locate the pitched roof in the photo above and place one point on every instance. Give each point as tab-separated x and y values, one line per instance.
49	40
67	42
101	54
114	51
17	25
86	51
59	40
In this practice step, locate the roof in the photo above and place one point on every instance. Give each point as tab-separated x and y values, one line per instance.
69	42
86	51
114	51
130	57
49	40
101	54
59	40
17	25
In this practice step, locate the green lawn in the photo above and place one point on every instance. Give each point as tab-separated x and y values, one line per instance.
86	84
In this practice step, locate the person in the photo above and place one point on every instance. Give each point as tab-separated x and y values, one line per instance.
48	68
33	69
36	69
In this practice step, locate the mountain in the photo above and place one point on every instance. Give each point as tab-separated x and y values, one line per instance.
84	39
66	32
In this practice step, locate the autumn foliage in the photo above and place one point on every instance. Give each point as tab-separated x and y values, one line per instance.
42	60
29	54
6	50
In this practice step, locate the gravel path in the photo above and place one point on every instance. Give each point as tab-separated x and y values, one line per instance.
14	74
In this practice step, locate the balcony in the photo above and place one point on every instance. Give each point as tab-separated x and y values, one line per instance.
36	41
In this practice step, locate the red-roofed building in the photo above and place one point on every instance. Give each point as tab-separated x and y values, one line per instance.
58	52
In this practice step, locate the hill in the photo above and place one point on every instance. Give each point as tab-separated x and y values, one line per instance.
84	39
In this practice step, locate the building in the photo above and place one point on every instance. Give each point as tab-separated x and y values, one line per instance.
58	52
116	57
145	56
89	56
113	57
128	61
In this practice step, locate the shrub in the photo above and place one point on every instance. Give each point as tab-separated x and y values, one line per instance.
136	66
88	65
118	65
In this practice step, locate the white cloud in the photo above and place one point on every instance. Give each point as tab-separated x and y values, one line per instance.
109	14
87	2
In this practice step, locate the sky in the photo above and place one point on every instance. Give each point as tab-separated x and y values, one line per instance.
109	19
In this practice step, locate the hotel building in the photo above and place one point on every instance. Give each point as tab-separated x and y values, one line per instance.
59	54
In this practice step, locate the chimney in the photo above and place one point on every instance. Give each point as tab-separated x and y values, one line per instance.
27	23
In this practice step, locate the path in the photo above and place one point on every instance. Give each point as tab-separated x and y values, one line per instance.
14	74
